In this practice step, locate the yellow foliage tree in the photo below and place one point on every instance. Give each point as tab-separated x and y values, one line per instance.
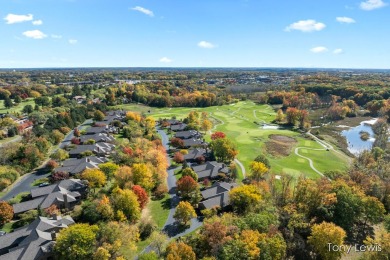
245	197
95	177
133	116
324	235
180	251
251	238
184	212
258	169
123	176
143	176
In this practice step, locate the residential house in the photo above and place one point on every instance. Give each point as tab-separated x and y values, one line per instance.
75	166
195	153
99	149
98	137
193	142
216	196
65	195
80	99
190	134
210	170
34	241
178	127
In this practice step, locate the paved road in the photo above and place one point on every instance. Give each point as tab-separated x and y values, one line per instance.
171	227
25	182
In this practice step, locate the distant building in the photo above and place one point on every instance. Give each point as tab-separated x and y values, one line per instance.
35	241
98	138
65	195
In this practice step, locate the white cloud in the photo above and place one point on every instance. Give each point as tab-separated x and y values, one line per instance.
143	10
338	51
37	22
306	26
345	20
319	49
165	60
372	4
206	45
16	18
72	41
35	34
55	36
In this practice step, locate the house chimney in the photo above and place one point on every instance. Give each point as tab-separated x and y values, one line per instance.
66	203
53	235
88	160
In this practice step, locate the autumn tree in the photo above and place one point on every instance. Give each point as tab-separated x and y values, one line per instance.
123	176
258	169
109	168
251	238
206	125
59	176
57	136
189	172
186	185
51	165
115	236
263	159
224	150
280	116
178	157
76	242
95	177
176	142
324	234
104	208
6	212
159	242
52	210
292	115
98	115
76	132
184	212
126	201
218	135
60	155
179	251
245	197
143	176
142	195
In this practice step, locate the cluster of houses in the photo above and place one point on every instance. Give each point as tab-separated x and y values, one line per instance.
23	124
36	240
198	158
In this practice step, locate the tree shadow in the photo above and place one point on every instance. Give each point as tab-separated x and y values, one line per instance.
175	228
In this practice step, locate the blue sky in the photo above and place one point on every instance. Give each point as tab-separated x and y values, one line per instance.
196	33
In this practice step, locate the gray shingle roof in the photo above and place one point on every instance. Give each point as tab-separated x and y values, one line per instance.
194	153
54	194
32	241
75	166
178	127
209	169
187	134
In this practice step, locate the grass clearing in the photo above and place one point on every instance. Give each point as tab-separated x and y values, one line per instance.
159	210
18	108
242	124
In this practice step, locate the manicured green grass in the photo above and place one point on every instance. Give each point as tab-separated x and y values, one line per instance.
18	108
238	122
18	198
39	181
6	140
159	210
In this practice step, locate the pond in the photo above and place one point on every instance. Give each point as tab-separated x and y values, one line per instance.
355	144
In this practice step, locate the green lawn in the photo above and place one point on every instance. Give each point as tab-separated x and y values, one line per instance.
238	122
18	108
159	210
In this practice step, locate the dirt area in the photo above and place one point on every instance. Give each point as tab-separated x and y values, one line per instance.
352	121
279	145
